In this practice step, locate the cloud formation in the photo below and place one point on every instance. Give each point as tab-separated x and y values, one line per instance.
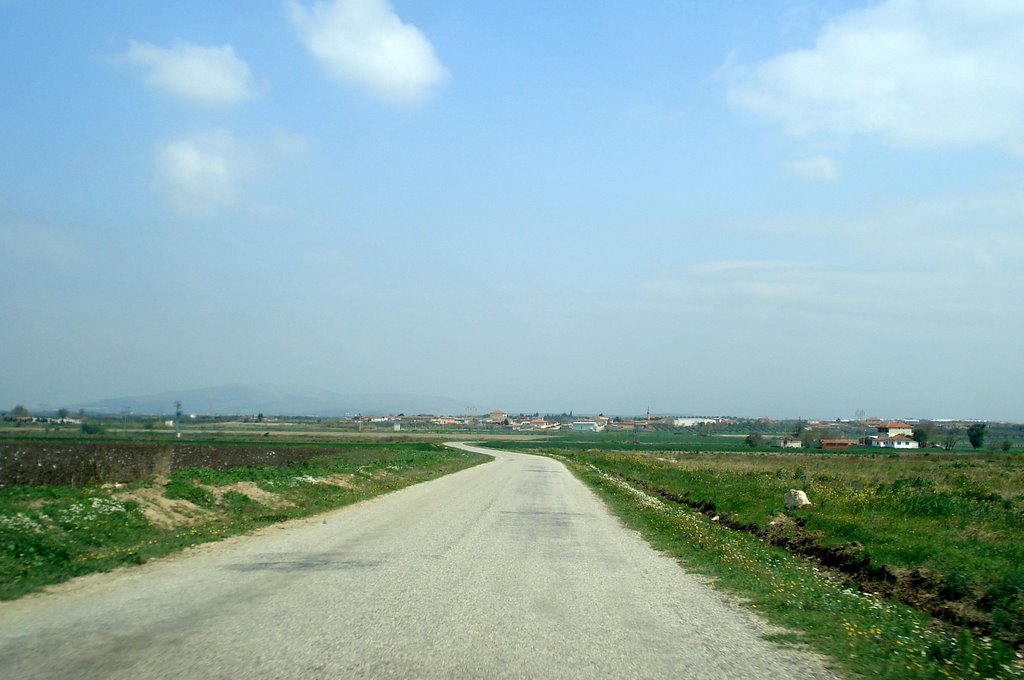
978	231
203	75
366	43
915	72
200	175
820	167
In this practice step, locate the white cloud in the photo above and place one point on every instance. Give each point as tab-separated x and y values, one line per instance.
916	72
814	167
941	233
201	174
205	75
727	267
936	264
206	172
365	42
852	296
737	285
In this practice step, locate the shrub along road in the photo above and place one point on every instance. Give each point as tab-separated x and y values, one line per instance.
508	569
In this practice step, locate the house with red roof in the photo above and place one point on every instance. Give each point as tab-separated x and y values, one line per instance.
894	428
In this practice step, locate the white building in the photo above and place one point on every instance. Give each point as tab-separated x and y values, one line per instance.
898	442
690	422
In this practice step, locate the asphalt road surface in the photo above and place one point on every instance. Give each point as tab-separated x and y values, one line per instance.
511	569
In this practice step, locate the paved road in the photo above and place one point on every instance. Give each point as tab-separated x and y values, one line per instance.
511	569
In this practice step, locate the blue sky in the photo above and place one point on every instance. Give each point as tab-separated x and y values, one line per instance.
776	208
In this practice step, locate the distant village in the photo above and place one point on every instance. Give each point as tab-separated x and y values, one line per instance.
536	422
829	435
759	432
888	435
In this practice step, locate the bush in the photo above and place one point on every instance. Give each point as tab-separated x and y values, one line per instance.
93	428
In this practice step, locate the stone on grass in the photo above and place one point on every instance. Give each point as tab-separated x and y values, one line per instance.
796	498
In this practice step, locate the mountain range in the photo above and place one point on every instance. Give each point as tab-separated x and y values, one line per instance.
276	400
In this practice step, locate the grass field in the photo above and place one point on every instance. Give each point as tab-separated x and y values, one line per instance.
51	533
907	565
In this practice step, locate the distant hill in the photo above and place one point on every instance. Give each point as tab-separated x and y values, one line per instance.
275	400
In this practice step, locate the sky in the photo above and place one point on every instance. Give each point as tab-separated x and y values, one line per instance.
784	208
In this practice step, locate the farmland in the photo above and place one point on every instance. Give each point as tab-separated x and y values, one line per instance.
907	565
913	558
129	510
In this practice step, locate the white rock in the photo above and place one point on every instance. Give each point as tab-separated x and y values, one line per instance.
796	498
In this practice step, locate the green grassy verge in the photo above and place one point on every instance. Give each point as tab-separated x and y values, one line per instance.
868	635
49	534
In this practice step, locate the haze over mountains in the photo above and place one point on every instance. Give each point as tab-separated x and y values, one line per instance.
275	400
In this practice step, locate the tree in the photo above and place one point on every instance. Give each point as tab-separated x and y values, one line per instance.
1007	444
754	439
19	411
93	428
976	435
62	413
950	439
924	434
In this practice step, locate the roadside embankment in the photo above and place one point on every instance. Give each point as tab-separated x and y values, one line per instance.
181	496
